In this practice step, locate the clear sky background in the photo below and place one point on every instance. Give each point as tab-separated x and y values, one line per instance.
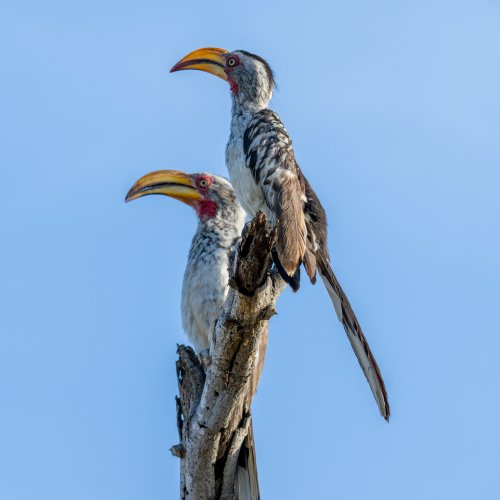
394	109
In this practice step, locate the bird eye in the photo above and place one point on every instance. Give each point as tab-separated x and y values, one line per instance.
203	183
231	62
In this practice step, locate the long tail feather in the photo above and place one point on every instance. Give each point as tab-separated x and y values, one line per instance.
247	479
356	337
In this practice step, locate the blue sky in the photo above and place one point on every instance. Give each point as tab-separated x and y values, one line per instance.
394	109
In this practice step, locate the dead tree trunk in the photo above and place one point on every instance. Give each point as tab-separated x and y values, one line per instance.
215	391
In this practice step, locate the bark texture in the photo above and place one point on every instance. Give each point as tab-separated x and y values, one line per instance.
216	389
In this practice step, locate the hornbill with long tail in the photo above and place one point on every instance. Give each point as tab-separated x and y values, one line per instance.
265	175
205	286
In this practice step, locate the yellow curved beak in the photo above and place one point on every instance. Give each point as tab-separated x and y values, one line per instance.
209	59
171	183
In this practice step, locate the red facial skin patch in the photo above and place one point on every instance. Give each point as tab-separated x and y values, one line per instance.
233	85
206	209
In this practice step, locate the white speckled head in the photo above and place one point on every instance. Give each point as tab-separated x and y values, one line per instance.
251	79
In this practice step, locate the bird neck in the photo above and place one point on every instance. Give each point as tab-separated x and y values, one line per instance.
224	226
241	116
249	104
215	233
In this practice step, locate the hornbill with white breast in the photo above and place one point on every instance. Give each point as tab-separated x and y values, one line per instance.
265	175
205	285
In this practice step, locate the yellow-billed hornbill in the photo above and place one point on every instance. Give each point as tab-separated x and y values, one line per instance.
265	175
205	286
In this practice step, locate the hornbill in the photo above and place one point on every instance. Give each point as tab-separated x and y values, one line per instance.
265	175
205	285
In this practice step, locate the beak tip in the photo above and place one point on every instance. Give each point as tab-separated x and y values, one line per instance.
174	68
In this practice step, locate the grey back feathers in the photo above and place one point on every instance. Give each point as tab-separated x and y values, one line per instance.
269	156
